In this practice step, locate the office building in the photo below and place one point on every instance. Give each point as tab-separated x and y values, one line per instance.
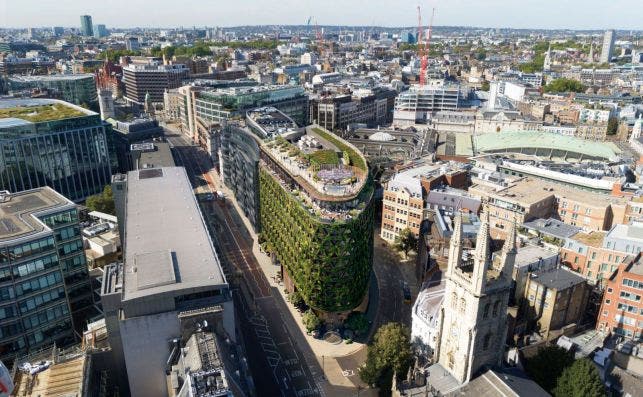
337	112
86	28
45	290
416	105
11	64
57	30
608	46
100	31
314	204
621	311
554	299
79	89
171	278
46	142
203	109
152	78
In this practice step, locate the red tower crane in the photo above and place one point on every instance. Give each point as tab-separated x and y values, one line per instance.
425	48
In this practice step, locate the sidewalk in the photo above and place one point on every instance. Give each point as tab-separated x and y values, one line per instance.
338	379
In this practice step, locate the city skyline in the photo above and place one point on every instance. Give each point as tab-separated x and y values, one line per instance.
492	14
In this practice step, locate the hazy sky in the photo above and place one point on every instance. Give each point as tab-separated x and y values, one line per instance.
591	14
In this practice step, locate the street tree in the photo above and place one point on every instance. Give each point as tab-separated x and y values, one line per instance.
405	242
390	351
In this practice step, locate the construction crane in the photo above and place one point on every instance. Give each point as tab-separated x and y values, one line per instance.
426	45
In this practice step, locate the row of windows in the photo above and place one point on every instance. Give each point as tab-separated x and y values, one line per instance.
10	330
68	232
35	266
38	283
33	302
633	283
630	296
70	248
26	250
625	307
8	312
61	218
45	316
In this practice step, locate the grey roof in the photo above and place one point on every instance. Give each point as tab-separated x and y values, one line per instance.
167	245
552	227
19	211
558	279
160	155
529	254
453	198
506	382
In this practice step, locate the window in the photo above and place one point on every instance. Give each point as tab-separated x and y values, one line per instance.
630	296
486	341
463	305
607	301
451	359
496	306
485	313
454	301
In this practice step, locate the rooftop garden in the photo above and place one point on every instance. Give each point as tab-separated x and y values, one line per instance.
354	157
40	113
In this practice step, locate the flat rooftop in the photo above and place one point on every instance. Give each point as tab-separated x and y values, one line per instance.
38	111
531	253
52	77
167	244
558	279
18	212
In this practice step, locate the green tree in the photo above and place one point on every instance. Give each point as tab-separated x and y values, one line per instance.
389	351
296	299
405	242
311	321
358	322
547	365
102	202
485	86
612	125
564	85
581	379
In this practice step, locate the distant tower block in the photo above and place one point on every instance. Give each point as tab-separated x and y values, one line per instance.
608	46
590	57
106	104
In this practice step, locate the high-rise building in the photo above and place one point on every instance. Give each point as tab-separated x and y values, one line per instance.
47	142
45	290
153	78
474	311
79	89
171	274
608	46
86	27
57	30
100	31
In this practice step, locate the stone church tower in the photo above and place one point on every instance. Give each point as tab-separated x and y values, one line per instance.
474	310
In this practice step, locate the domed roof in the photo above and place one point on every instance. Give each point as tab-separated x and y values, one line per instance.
382	137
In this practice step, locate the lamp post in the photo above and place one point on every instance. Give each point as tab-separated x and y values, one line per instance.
323	367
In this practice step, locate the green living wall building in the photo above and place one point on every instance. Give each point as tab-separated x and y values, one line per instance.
316	217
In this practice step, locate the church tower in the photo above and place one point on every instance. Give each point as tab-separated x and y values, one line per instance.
474	309
547	62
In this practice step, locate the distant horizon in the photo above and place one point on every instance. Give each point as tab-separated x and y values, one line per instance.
490	14
312	27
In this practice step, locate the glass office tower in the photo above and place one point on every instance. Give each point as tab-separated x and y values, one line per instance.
45	142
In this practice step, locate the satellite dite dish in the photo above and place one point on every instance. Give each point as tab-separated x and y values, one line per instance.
6	384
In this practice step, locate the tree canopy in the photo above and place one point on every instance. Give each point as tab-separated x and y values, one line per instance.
114	55
102	202
564	85
311	321
547	365
406	241
581	379
390	351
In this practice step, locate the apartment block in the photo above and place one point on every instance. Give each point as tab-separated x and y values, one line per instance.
622	310
554	299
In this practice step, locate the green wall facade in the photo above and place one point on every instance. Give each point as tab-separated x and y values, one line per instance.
330	263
